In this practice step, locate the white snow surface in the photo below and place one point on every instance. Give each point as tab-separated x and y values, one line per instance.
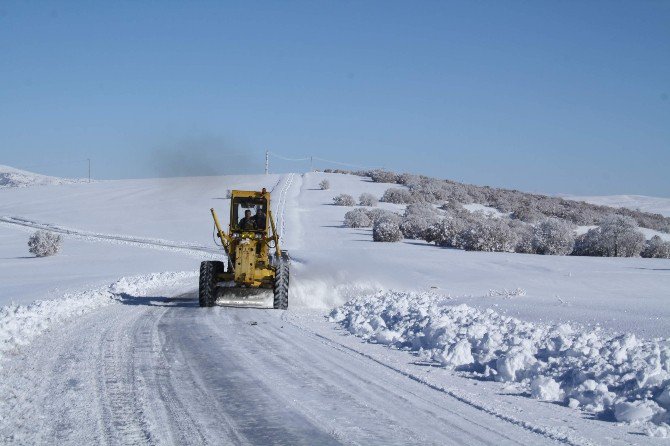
139	362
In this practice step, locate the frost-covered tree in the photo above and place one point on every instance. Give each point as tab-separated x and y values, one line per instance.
554	237
525	234
656	248
324	185
397	195
489	234
620	236
43	243
418	217
367	199
344	200
527	213
452	206
524	206
617	236
357	218
588	244
386	231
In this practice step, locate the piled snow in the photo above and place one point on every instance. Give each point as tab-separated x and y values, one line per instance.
20	324
11	177
605	374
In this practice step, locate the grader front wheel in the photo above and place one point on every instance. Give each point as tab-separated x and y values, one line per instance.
281	282
209	270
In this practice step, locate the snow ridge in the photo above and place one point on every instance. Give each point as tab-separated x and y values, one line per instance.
612	376
168	245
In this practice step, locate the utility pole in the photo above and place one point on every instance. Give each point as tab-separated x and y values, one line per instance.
89	169
267	162
311	164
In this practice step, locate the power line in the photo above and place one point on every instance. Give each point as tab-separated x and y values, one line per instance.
288	159
344	164
311	159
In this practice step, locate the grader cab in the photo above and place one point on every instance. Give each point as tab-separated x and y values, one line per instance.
256	263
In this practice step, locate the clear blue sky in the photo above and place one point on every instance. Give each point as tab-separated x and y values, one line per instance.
546	96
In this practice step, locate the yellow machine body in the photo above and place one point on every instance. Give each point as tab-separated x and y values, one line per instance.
248	247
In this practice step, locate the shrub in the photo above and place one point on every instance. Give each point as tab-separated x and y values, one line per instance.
383	176
386	231
397	195
344	200
357	218
656	248
417	219
408	179
382	214
367	199
554	237
489	234
324	185
43	243
447	232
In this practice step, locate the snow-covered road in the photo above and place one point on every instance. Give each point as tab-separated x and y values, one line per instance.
161	370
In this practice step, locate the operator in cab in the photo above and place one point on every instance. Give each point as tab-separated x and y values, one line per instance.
260	218
248	223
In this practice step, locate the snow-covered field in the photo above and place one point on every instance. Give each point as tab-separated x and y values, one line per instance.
460	347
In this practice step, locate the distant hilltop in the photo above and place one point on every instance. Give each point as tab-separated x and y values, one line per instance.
11	177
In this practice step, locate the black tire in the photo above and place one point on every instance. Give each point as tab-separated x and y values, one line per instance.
282	271
209	270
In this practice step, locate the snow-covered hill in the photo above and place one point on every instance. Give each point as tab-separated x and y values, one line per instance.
138	360
657	205
11	177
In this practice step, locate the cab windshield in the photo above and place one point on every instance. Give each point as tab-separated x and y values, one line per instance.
249	214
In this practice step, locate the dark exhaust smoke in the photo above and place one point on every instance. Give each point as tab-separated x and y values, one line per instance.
202	157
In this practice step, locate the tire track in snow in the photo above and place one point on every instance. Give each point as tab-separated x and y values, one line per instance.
280	207
169	245
122	415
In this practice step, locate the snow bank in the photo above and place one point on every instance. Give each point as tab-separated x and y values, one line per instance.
20	324
612	376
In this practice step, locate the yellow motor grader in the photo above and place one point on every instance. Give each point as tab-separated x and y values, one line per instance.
255	259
